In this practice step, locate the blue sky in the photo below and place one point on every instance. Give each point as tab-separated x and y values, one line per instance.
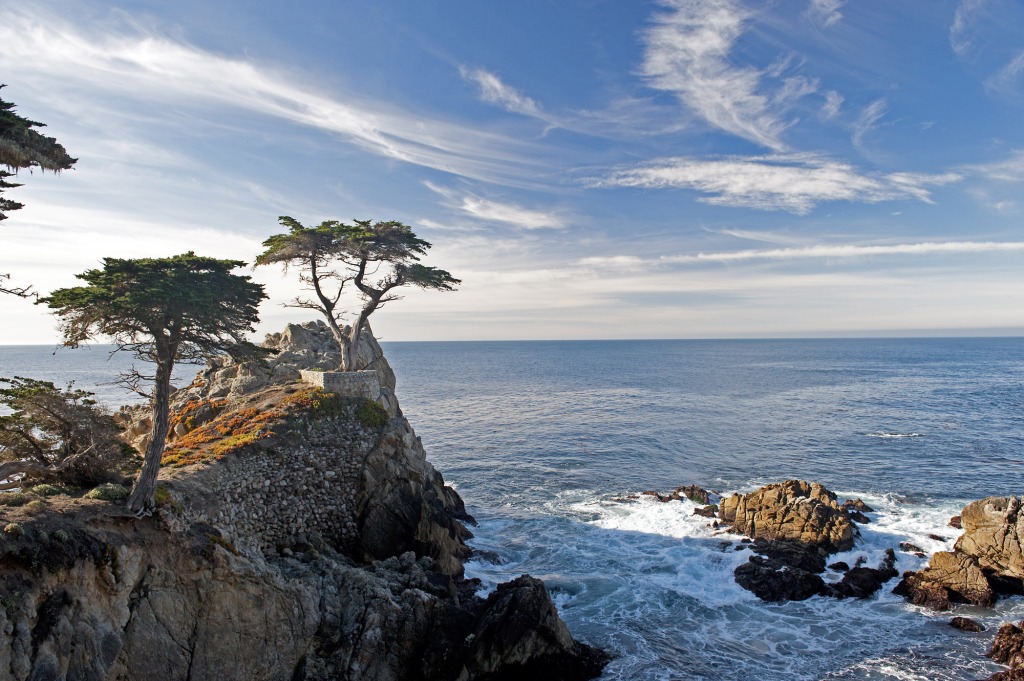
589	168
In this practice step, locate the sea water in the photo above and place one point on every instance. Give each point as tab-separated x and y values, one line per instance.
547	440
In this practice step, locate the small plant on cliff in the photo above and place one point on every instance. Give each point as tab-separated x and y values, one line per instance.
371	414
377	258
14	529
163	310
107	492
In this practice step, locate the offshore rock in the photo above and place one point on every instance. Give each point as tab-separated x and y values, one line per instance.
795	526
950	578
1008	649
966	624
794	510
986	560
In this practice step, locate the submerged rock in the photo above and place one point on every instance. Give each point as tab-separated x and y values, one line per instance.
966	624
774	581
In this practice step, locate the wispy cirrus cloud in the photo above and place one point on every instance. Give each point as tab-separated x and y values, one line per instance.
867	121
792	182
1007	78
826	11
688	53
833	103
1010	169
495	91
851	251
489	210
145	67
962	29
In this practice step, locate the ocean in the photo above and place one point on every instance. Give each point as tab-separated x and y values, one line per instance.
544	439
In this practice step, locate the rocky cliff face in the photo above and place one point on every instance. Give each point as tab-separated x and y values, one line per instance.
300	536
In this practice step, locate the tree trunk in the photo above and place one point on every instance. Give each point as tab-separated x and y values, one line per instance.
350	349
142	501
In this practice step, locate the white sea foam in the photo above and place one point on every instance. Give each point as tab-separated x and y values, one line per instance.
654	584
893	436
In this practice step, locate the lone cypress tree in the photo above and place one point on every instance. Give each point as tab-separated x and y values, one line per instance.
163	310
377	258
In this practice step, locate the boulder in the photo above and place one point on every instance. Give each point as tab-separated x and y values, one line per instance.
994	535
857	505
949	578
774	581
862	582
966	624
520	636
796	510
1008	646
987	559
706	511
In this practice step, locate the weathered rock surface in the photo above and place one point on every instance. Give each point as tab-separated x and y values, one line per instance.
966	624
950	578
324	549
795	526
1008	649
986	560
794	510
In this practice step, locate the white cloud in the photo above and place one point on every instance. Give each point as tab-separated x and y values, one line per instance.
793	182
494	91
150	68
488	210
833	103
688	54
826	11
850	251
1009	170
867	121
961	29
1007	77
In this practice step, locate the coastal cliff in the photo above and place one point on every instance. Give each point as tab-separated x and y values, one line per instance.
300	535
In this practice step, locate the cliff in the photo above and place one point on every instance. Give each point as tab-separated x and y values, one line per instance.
301	535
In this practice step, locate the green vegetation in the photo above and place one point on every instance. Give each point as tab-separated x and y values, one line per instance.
14	529
23	147
46	490
54	435
108	492
371	414
60	535
163	310
333	253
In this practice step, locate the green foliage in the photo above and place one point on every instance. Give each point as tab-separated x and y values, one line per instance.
108	492
35	506
164	310
376	257
327	404
371	414
55	434
60	535
22	147
47	490
14	529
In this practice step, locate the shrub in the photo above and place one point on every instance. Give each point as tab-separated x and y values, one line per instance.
46	490
371	414
108	492
14	498
35	506
14	529
60	535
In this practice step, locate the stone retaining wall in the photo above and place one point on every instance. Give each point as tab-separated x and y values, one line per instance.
364	383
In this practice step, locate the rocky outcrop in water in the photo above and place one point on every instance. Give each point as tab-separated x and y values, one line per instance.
1008	649
796	525
986	560
299	536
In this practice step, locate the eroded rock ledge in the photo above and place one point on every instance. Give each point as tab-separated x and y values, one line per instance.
300	536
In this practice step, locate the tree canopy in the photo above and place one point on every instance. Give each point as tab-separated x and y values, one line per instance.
50	434
376	257
163	310
22	147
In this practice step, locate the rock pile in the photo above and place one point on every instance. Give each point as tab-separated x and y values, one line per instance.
986	560
796	525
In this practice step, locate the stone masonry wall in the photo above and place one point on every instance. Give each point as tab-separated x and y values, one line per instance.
365	383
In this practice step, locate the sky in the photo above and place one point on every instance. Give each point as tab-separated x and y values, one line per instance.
588	168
